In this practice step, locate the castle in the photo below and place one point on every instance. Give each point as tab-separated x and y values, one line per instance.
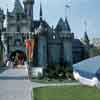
53	45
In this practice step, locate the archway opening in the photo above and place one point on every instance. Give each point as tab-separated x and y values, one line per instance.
18	57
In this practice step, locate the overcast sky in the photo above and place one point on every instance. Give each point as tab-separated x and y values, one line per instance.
80	11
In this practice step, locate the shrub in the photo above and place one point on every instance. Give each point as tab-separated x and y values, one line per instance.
58	71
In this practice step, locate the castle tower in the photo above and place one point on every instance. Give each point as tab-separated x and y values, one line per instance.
14	17
64	31
42	45
66	38
28	7
17	21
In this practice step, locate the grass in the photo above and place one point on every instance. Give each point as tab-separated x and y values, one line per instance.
67	93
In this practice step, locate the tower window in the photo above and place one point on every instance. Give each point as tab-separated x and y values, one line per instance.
54	37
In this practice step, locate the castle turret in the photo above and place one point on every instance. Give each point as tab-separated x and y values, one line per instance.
14	17
28	7
66	37
17	21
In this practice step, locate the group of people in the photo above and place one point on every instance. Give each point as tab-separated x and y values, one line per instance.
19	59
15	60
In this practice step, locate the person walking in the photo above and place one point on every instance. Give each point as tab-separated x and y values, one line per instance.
8	63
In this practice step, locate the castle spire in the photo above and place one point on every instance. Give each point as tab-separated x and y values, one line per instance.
86	38
41	13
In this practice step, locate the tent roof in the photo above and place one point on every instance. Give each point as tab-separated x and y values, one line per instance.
91	65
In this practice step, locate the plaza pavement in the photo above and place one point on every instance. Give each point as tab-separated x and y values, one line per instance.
14	85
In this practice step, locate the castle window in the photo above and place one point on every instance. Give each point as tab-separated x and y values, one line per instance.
54	37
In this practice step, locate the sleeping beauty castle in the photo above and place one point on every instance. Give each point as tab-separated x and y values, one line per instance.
50	45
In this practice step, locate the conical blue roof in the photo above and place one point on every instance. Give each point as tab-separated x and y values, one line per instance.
18	7
63	26
67	25
60	25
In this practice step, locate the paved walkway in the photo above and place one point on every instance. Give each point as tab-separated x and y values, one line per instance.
36	85
14	85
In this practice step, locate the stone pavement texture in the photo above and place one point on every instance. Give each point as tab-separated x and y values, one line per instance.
14	85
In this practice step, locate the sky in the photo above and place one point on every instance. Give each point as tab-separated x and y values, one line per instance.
80	11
